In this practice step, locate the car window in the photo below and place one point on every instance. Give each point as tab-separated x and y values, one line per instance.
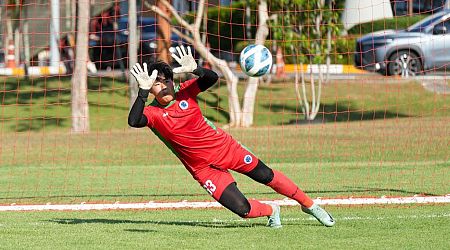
446	24
422	25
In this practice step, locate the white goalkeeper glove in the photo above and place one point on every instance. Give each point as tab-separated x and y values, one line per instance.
141	75
186	60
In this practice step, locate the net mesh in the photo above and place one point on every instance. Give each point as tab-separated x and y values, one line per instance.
373	134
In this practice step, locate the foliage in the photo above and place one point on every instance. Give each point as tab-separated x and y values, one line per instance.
304	27
226	26
294	26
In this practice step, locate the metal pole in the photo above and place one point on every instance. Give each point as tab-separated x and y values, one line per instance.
54	34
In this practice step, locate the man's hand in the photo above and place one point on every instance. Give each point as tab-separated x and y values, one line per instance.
186	60
141	75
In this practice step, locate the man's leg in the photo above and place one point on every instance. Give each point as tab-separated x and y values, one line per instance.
280	183
236	202
283	185
222	187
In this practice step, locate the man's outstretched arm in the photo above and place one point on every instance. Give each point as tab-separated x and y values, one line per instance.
136	117
206	78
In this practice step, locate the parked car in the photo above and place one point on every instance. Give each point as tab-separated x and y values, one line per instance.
401	7
2	58
421	47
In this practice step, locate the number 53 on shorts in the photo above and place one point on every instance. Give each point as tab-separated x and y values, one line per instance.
210	187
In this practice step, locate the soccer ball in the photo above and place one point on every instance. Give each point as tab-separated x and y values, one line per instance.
255	60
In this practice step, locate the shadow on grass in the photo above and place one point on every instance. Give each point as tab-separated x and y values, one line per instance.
23	96
38	123
146	196
193	223
54	90
335	113
140	230
94	83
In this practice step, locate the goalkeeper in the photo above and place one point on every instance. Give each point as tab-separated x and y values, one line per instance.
206	151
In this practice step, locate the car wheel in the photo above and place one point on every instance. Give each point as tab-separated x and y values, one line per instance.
404	63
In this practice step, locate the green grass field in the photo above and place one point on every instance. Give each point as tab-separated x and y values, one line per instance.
43	104
386	227
373	139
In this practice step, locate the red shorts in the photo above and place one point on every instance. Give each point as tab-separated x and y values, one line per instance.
216	177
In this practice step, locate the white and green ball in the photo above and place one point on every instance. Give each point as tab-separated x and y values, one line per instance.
255	60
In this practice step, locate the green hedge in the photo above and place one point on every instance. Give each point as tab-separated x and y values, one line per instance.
226	26
396	23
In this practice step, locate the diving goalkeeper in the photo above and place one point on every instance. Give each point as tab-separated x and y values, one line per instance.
206	151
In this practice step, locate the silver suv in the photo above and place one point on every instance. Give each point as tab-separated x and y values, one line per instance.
421	47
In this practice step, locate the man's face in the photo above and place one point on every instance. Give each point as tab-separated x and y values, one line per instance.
163	90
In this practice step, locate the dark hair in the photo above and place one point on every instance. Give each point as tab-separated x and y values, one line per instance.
162	68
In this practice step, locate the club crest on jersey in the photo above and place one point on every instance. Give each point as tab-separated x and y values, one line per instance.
184	105
248	159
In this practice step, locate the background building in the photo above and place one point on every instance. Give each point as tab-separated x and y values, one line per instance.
356	11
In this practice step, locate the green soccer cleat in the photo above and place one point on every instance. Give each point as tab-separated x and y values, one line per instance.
274	219
320	214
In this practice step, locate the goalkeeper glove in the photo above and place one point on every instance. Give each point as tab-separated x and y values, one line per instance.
185	59
144	80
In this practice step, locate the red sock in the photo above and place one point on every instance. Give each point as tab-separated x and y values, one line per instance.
258	209
286	187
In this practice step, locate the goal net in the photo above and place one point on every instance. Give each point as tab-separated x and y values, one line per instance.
355	105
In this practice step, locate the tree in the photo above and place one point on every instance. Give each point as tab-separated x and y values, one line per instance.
262	32
12	14
132	48
80	106
26	39
193	37
238	117
163	35
17	17
306	27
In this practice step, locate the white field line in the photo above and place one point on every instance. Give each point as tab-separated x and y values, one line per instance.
186	204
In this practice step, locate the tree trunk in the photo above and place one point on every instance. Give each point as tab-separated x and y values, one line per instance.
262	32
231	79
204	33
132	48
410	7
26	41
17	36
80	105
329	24
163	35
315	99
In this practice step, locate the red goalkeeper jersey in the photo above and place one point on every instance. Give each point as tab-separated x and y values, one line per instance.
183	128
